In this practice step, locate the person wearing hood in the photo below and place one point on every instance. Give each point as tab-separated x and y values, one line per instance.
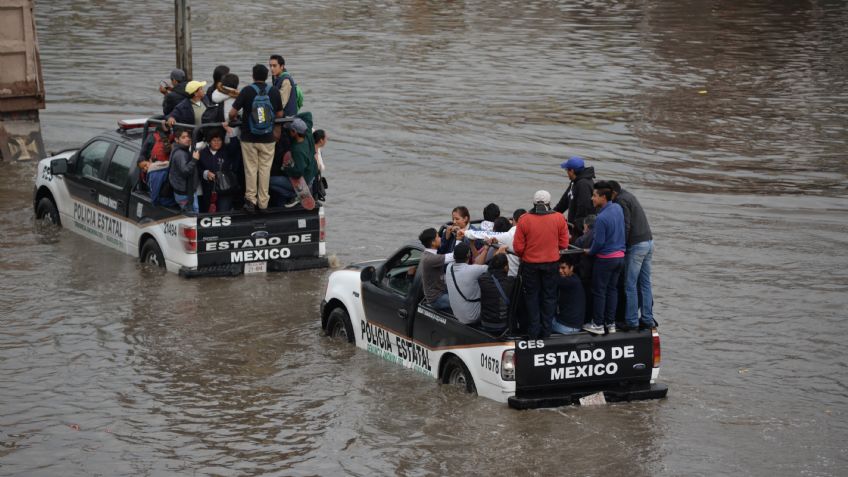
577	199
176	93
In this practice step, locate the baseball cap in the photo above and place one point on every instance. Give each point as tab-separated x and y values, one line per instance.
298	125
178	75
574	162
542	197
193	86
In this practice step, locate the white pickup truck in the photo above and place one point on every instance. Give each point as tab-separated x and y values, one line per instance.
95	192
378	306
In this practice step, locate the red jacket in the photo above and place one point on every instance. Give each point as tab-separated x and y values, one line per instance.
540	237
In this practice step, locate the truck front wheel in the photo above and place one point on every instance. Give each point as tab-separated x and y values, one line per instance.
46	211
338	325
152	254
456	374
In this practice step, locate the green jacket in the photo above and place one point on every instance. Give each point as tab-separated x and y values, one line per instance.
303	154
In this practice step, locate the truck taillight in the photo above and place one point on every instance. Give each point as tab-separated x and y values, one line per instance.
508	365
188	237
657	352
322	226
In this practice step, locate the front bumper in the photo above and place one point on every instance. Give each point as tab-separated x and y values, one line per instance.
556	399
233	269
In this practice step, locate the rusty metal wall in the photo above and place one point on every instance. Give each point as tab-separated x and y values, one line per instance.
21	84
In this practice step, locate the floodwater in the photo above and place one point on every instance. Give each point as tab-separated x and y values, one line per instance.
727	120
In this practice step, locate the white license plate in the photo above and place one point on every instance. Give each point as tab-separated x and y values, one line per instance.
255	267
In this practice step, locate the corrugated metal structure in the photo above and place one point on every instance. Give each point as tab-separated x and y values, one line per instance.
21	83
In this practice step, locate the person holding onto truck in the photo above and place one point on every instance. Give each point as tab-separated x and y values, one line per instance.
495	295
190	110
302	162
608	251
432	265
183	171
461	279
174	92
258	136
460	220
539	236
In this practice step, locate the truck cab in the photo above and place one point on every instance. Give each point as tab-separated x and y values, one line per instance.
379	307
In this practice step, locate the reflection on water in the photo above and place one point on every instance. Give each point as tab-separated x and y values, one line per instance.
726	119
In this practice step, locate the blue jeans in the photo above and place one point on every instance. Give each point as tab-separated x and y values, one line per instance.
183	201
281	187
442	303
558	327
605	275
540	297
637	284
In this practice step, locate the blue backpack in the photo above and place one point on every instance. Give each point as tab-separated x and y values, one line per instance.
261	112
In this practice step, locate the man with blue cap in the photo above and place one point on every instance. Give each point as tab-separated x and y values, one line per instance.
577	199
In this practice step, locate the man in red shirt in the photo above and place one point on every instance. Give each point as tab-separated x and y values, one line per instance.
539	236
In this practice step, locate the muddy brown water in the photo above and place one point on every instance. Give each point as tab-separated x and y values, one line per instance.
726	119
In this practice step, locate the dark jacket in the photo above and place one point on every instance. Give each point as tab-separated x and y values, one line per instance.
290	108
636	228
571	307
183	112
183	171
577	199
494	310
173	98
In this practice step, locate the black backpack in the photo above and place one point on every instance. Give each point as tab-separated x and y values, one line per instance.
214	112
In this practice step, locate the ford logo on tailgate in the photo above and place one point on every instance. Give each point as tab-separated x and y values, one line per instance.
259	234
639	366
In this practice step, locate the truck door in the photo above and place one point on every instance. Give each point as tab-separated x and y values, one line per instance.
116	189
385	300
84	180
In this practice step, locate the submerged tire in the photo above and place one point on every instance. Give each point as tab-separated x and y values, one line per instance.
151	254
46	211
456	373
338	325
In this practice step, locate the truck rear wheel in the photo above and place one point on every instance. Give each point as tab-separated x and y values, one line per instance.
338	325
151	254
46	212
456	374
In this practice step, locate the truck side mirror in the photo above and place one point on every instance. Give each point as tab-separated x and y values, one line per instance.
367	274
58	167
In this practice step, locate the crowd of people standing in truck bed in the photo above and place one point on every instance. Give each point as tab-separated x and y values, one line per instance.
573	259
247	159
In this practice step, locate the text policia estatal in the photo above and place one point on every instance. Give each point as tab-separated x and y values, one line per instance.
98	220
587	363
407	350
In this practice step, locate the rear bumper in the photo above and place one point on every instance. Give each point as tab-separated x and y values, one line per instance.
556	399
233	269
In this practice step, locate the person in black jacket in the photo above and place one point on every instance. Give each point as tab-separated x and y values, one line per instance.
637	260
571	303
495	294
213	161
577	199
175	93
183	171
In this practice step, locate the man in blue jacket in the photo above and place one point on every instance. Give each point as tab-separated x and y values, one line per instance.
608	248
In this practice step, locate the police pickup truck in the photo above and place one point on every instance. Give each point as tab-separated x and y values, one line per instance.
378	306
95	191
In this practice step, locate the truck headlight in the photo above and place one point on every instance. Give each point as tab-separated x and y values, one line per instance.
508	365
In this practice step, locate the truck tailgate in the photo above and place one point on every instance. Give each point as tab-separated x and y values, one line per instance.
240	237
566	367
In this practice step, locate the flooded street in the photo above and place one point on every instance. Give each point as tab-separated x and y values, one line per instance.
728	120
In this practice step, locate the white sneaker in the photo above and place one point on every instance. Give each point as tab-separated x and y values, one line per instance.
593	328
610	329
